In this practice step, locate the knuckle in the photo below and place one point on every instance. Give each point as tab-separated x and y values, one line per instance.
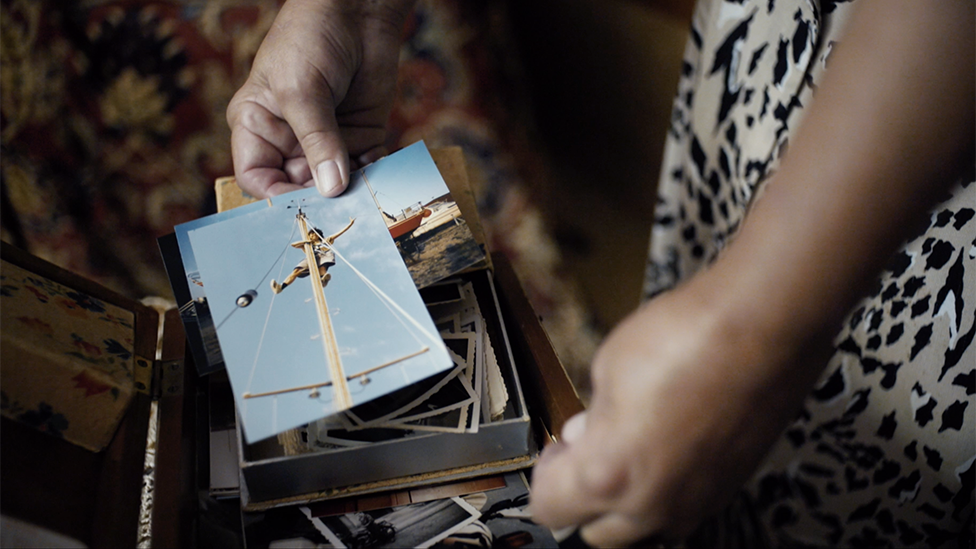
235	110
242	101
253	117
247	115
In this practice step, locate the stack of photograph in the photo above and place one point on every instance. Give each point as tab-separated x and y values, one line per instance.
361	337
486	512
470	393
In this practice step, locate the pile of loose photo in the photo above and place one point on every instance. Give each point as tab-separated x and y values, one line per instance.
472	393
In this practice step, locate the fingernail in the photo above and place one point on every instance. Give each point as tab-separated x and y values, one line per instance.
574	428
327	178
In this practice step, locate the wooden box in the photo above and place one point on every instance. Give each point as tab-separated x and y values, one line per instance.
80	474
96	497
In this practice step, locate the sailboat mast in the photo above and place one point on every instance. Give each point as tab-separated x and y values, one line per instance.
371	191
342	399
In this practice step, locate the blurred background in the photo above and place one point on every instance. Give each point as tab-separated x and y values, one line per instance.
113	131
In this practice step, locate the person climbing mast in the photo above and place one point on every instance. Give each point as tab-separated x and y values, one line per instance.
324	257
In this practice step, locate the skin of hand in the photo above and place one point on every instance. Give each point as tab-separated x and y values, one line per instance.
691	391
685	404
318	96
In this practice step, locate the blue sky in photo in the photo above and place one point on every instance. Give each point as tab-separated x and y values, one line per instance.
405	178
183	238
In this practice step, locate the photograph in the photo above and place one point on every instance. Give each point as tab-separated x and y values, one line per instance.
450	324
506	516
470	320
392	404
464	346
450	391
498	505
416	525
432	413
421	216
304	343
457	392
407	175
450	420
447	291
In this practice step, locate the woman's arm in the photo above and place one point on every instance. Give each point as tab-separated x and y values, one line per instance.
691	391
889	132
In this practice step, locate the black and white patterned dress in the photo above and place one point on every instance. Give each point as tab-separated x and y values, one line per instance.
883	452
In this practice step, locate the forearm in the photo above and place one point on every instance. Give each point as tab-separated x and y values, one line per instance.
890	130
379	21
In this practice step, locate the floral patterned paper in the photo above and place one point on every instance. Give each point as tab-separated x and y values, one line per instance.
61	320
67	358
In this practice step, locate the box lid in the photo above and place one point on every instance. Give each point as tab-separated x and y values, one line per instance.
91	496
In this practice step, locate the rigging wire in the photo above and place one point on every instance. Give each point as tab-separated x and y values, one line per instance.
264	329
265	277
387	298
382	297
389	308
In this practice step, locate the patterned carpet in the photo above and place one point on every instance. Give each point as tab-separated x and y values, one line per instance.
113	131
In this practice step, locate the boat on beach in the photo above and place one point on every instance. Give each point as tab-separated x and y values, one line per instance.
407	221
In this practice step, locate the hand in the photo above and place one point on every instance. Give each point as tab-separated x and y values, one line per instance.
319	93
688	398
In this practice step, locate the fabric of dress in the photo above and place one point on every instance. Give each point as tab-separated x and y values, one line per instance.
883	450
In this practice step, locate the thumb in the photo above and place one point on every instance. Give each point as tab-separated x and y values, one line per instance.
314	122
